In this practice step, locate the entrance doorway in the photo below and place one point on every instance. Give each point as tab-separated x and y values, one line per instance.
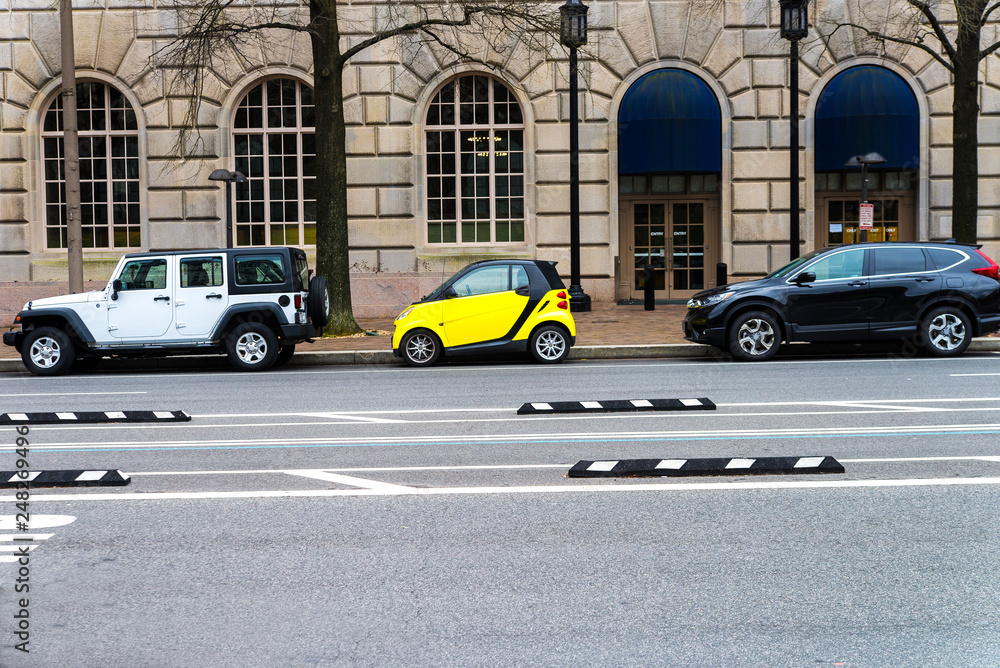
838	198
677	237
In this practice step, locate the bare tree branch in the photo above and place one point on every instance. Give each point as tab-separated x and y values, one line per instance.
935	24
881	38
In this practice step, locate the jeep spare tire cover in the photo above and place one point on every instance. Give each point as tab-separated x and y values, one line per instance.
318	301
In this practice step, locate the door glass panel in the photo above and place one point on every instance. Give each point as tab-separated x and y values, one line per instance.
688	250
649	248
484	281
839	265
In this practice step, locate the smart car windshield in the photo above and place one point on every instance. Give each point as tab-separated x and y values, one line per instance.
795	264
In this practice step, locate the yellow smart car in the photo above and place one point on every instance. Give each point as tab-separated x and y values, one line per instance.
495	306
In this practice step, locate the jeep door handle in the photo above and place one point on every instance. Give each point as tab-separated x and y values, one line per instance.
856	284
214	295
161	298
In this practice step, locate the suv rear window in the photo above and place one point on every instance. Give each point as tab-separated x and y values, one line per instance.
944	257
260	270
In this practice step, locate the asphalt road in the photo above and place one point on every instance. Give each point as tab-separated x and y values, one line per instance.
392	516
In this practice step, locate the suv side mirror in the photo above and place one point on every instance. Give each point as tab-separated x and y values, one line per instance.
450	292
116	286
805	277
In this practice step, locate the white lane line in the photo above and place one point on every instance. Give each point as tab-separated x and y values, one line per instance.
891	460
540	489
64	394
8	522
695	434
966	375
348	480
17	548
355	418
370	469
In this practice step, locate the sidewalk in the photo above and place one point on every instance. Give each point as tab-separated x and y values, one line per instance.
610	331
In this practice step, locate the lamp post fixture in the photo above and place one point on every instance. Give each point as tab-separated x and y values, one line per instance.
573	36
794	26
863	161
230	178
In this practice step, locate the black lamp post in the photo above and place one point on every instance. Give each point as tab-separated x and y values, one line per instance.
863	161
230	178
574	35
794	26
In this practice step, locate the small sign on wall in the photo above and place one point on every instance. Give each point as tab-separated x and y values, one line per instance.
867	215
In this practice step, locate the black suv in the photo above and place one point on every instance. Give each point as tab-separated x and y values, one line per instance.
935	295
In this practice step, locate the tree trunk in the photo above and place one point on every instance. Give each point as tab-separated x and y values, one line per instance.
965	156
332	258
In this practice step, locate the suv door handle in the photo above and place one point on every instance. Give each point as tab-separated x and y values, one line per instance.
161	298
924	279
214	295
855	284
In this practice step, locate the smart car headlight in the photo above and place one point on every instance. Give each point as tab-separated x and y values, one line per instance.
403	314
710	300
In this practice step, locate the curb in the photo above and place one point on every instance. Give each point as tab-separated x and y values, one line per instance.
13	479
704	467
346	357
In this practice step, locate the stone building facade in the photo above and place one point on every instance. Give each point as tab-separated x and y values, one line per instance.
683	138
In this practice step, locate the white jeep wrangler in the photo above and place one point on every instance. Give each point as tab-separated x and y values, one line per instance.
254	304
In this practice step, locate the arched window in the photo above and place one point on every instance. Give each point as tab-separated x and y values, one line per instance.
109	169
475	163
274	145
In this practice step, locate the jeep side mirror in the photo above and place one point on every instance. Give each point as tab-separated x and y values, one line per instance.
116	286
450	292
805	277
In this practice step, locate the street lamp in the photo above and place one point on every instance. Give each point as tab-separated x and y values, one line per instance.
863	161
230	178
574	35
794	26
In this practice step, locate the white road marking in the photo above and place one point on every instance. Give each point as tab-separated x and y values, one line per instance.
370	469
18	416
66	416
671	464
114	415
15	548
31	476
740	463
63	394
348	416
602	466
348	480
591	404
808	462
90	476
691	402
8	522
541	406
965	375
539	489
641	403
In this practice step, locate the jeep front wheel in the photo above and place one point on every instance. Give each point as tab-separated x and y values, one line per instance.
47	351
252	347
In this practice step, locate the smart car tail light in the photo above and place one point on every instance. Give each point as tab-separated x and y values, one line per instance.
562	305
992	271
561	295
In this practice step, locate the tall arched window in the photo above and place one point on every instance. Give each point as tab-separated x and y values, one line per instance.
109	169
475	163
274	145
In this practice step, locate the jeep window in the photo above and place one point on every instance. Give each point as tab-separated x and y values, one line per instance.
495	278
846	264
889	261
201	272
302	270
259	270
144	275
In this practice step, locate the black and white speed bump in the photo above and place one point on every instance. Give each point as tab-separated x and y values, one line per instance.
93	417
63	478
616	406
614	468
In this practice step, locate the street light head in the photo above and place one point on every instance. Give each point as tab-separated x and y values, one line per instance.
574	23
794	19
872	158
221	175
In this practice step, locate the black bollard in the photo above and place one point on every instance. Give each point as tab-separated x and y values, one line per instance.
721	277
648	289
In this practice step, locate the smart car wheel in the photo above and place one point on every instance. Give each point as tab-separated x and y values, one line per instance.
252	347
47	351
945	332
421	348
754	336
549	344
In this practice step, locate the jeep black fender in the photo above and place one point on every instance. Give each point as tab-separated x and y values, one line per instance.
65	319
238	313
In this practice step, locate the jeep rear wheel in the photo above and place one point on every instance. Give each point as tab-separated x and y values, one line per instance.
252	347
47	351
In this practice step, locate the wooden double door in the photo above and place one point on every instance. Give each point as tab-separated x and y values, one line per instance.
677	237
